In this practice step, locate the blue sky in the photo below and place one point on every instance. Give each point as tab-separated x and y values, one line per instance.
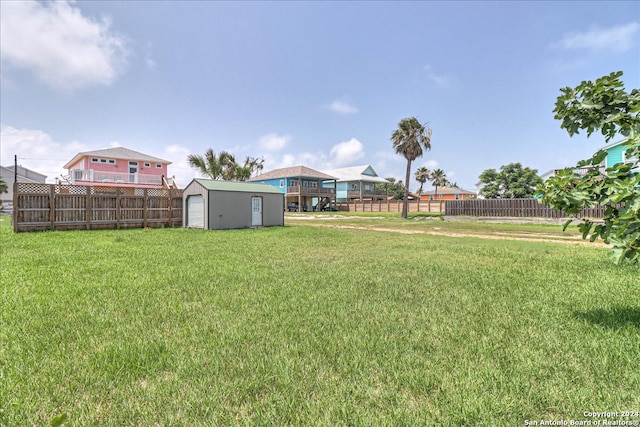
322	84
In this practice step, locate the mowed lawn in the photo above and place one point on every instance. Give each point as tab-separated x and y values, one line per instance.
308	325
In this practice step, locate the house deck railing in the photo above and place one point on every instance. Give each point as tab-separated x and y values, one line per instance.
366	193
308	191
81	176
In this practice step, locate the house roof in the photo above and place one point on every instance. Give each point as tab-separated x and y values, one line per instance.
237	186
120	153
356	173
292	172
449	190
615	144
22	171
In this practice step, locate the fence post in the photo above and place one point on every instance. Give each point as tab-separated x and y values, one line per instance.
170	209
118	208
52	206
88	207
145	205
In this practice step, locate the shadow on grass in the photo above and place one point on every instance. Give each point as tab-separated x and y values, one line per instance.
615	318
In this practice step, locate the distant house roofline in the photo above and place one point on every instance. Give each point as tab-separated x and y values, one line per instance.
292	172
120	153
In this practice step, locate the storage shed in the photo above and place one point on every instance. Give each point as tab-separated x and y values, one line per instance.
218	205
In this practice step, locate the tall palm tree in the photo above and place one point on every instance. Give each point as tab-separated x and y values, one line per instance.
422	175
438	179
409	140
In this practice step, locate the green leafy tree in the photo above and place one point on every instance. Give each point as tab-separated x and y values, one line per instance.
512	181
410	140
393	188
4	187
438	179
422	175
602	106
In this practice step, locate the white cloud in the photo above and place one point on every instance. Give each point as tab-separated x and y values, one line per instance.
63	48
342	107
37	150
617	39
440	80
179	168
346	153
273	142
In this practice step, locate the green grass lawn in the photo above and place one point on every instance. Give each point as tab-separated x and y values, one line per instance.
307	325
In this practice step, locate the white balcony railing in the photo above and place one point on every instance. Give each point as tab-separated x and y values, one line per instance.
79	176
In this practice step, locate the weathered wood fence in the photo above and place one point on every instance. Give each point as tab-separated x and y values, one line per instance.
391	206
517	208
75	207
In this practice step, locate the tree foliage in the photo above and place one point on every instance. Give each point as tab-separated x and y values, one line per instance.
393	188
422	175
224	166
606	107
4	187
512	181
410	140
438	179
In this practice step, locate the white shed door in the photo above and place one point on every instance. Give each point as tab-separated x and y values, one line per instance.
195	211
256	211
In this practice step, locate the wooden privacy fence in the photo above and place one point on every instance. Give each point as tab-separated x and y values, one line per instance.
415	206
75	207
517	208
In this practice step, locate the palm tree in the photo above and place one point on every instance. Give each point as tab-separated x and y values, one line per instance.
209	165
409	140
422	175
220	166
438	179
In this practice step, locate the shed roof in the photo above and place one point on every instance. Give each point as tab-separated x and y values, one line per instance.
244	187
292	172
120	153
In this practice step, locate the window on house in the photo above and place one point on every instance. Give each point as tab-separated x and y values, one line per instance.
94	160
457	197
147	165
103	160
304	183
111	161
133	163
294	182
282	183
158	166
314	185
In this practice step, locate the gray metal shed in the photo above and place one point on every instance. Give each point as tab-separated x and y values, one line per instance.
218	205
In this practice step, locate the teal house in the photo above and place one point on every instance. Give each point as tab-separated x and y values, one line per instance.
616	153
304	189
357	183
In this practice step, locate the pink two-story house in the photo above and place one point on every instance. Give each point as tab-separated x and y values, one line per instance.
117	166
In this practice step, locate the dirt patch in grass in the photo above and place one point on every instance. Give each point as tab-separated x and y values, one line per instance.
529	237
